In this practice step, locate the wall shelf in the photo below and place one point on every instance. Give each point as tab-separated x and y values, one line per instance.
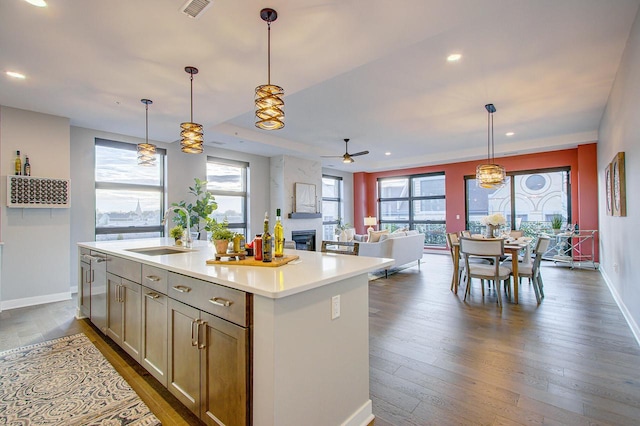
305	215
36	192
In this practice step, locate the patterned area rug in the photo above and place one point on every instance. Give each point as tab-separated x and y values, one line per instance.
67	382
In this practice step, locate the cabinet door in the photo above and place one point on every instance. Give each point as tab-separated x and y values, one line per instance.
99	291
84	289
114	308
153	348
130	298
224	371
183	379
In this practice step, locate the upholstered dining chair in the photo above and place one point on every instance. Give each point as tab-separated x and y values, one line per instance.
531	270
452	238
488	248
516	234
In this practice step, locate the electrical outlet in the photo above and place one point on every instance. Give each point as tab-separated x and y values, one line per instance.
458	216
335	307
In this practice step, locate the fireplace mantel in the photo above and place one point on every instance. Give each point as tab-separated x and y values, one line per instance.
305	215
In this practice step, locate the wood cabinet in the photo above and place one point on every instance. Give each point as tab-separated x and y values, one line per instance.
124	314
154	345
209	364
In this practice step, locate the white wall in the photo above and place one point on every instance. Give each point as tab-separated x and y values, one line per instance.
620	131
35	266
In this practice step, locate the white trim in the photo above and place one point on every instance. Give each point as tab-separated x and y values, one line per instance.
623	308
362	417
37	300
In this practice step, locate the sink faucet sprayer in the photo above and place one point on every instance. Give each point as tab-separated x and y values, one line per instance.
186	212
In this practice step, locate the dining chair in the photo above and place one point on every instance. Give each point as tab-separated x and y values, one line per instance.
487	249
452	239
340	247
465	233
531	270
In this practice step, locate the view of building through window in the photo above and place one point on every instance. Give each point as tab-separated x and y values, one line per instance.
227	181
129	198
529	201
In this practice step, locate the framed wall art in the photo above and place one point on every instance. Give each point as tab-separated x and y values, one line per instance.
607	189
618	186
305	198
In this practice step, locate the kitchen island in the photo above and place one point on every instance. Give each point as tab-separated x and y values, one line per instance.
305	325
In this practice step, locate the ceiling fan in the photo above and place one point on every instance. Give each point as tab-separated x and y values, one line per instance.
346	158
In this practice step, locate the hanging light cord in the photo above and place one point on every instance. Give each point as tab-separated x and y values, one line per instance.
146	121
191	74
490	149
269	52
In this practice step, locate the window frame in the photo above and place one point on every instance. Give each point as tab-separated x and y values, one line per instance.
236	163
162	153
339	199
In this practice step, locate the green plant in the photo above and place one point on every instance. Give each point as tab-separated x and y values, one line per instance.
198	212
176	232
340	227
219	230
556	221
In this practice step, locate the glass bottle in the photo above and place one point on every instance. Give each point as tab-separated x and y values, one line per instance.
267	241
278	235
18	164
27	166
257	247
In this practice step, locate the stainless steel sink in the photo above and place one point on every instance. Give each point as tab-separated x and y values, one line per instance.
159	251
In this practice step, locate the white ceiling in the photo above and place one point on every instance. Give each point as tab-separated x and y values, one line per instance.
374	71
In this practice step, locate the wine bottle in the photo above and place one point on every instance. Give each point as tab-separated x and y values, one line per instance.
27	166
18	164
267	240
278	235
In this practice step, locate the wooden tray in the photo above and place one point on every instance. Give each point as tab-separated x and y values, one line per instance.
251	261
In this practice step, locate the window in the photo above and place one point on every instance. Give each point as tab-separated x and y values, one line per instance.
129	197
414	202
529	200
332	208
227	181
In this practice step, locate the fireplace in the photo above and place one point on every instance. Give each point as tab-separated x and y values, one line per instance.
304	240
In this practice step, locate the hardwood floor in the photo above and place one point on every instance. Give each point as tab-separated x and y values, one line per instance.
435	359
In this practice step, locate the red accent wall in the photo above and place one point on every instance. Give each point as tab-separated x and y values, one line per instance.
584	189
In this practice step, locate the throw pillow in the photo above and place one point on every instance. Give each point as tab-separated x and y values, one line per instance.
399	230
374	236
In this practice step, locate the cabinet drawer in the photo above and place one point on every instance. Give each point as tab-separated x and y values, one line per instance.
125	268
155	278
215	299
84	251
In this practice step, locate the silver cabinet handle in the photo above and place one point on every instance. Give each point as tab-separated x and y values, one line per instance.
152	278
194	339
202	342
152	295
219	301
96	259
91	276
182	288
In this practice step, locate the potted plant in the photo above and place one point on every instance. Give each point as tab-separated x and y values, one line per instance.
556	223
341	230
221	235
176	233
200	211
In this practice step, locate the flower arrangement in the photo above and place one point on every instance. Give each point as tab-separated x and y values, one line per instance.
496	219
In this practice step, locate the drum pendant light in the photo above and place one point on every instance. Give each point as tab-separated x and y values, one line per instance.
191	135
490	175
146	150
269	103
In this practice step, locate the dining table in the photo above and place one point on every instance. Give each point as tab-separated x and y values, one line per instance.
511	247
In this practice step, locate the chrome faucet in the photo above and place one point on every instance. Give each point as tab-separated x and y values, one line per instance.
186	212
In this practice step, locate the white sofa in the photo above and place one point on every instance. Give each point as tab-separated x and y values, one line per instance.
403	247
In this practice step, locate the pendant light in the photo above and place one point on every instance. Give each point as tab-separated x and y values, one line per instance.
146	150
490	175
269	103
191	135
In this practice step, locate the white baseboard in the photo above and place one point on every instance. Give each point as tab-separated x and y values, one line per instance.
362	417
31	301
623	308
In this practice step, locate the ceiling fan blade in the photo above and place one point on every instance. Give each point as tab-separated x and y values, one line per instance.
359	153
332	156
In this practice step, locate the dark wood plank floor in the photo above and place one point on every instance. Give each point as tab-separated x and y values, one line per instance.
437	360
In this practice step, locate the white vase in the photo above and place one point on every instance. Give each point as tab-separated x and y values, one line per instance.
488	230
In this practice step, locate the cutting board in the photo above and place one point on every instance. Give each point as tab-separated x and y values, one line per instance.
250	261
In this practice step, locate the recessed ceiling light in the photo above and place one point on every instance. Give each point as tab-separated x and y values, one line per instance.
387	153
509	134
16	75
38	3
454	57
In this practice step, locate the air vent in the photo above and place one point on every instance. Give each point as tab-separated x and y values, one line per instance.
195	8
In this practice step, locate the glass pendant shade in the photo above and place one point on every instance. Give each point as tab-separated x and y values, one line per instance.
191	136
490	175
269	102
146	150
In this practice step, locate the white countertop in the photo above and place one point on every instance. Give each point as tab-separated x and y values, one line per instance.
312	270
